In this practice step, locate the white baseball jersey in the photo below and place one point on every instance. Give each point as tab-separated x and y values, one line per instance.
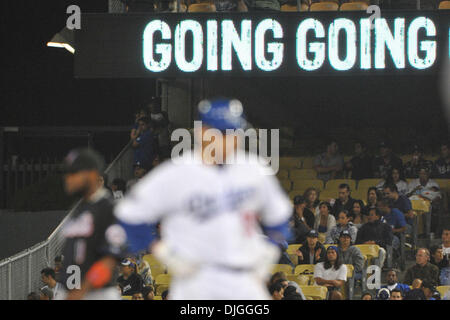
209	214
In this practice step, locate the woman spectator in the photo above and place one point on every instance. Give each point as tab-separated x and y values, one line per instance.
301	221
358	216
325	220
372	197
331	273
343	223
311	196
395	176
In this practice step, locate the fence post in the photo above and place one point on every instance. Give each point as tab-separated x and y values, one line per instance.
29	272
9	280
2	181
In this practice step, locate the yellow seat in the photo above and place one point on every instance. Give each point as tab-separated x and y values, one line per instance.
406	158
334	184
444	5
360	194
322	237
293	7
152	260
127	297
290	162
286	184
301	280
282	268
296	174
421	205
160	288
354	6
283	174
163	279
370	251
303	184
443	289
157	298
365	184
328	245
202	7
350	271
315	292
305	269
308	163
157	269
326	195
444	184
292	248
324	6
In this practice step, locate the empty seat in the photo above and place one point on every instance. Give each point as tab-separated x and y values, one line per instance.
325	195
293	7
283	174
292	248
163	279
444	5
296	174
161	288
406	158
365	184
286	184
281	268
370	251
354	6
202	7
290	162
303	184
334	184
324	6
315	292
443	289
421	205
157	269
157	298
301	280
127	297
151	259
308	163
360	194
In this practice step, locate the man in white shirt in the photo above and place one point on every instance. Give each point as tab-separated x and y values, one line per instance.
424	186
446	241
48	277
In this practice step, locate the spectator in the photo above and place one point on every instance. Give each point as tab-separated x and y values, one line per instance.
118	188
48	277
383	294
424	187
148	293
311	251
343	223
396	294
329	164
399	202
358	216
263	5
418	161
130	282
372	197
165	295
33	296
324	220
366	296
396	177
143	269
311	196
144	143
137	296
437	258
428	290
299	223
376	232
385	161
140	170
160	124
394	218
446	241
280	275
58	267
423	269
416	292
344	200
442	165
46	294
103	183
351	254
230	6
290	293
276	290
141	113
331	273
393	284
361	163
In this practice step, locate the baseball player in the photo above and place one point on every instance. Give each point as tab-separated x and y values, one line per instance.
94	242
212	217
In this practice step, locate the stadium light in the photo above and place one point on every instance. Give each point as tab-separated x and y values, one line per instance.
63	39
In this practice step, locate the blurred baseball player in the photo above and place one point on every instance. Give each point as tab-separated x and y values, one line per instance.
212	217
94	241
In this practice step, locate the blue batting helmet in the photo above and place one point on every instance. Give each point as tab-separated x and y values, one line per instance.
222	114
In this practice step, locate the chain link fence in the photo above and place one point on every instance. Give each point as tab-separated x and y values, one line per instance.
21	273
116	6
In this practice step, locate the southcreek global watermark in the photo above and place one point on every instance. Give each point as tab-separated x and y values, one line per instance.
212	146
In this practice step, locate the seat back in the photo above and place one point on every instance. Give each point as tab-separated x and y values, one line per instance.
282	268
305	269
354	6
324	6
335	183
303	184
202	7
444	5
443	289
127	297
369	250
290	162
296	174
365	184
315	292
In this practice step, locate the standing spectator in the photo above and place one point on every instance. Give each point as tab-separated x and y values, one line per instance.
358	216
351	254
395	176
141	113
394	218
140	170
46	294
329	165
311	251
424	186
423	269
311	196
331	273
396	294
58	267
344	200
48	277
324	220
298	222
418	161
160	124
385	161
399	202
393	284
442	165
376	232
130	282
343	223
144	143
361	163
372	197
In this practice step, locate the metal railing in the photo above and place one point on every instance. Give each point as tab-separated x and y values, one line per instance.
20	274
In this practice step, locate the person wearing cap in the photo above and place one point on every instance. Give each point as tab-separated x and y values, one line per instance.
330	164
298	222
332	273
130	282
311	251
94	242
213	212
350	254
140	170
343	223
413	166
385	161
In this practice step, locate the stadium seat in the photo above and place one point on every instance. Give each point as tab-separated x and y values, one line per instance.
444	184
303	184
157	298
283	174
202	7
292	248
163	279
315	292
322	237
421	205
325	195
293	7
286	184
444	5
443	289
127	297
301	280
306	269
370	251
354	6
157	269
324	6
406	158
282	268
365	184
160	288
350	283
360	194
334	184
290	163
308	163
296	174
151	259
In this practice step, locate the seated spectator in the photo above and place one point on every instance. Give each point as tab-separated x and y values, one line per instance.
165	295
276	290
385	161
148	293
399	202
130	282
372	197
324	220
311	251
311	196
343	223
416	292
118	188
376	232
396	294
58	267
437	258
144	143
418	161
289	284
383	294
329	165
396	177
423	269
357	215
361	163
366	296
344	200
46	293
441	168
140	171
424	187
428	290
48	277
298	222
446	241
280	275
263	6
351	254
290	293
143	269
393	284
331	273
33	296
393	218
137	296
